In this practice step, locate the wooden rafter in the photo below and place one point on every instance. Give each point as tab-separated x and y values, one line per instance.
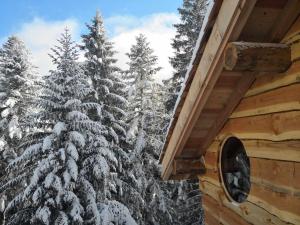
228	24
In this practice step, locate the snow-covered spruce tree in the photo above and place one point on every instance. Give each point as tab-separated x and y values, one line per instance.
106	80
144	116
192	15
68	162
16	78
110	93
191	18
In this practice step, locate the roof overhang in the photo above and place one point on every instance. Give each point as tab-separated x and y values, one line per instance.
210	93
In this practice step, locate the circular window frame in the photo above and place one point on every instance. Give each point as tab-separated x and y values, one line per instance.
223	184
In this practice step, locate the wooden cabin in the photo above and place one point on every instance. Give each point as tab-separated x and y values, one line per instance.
236	124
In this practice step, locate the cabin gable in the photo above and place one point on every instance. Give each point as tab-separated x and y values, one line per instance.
243	82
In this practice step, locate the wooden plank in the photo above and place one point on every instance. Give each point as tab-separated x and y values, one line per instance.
284	150
211	160
281	176
258	57
248	210
210	217
222	214
234	99
188	166
229	79
274	187
274	127
206	76
260	24
269	82
283	99
218	98
279	4
285	206
287	17
292	34
214	147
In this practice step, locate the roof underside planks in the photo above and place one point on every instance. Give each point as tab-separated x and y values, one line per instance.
210	93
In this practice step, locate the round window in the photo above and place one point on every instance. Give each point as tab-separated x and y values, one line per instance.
235	169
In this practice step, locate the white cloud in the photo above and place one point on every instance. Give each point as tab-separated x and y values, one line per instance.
159	31
40	35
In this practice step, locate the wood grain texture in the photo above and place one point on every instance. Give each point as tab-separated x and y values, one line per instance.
267	82
220	213
209	68
251	212
286	98
282	175
274	127
283	150
257	57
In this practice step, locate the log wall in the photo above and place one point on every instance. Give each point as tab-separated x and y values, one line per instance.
267	121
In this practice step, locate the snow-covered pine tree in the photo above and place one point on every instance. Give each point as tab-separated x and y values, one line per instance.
106	79
110	90
145	134
66	159
191	14
16	78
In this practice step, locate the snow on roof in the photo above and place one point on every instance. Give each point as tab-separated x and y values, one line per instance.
210	16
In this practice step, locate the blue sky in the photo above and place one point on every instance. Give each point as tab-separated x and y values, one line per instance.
14	13
40	22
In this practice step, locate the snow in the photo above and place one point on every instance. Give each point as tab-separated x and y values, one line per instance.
2	203
77	138
10	102
59	127
72	168
5	112
43	214
190	67
72	151
47	143
114	212
13	128
76	115
2	144
62	219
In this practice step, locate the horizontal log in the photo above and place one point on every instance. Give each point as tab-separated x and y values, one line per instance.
258	57
273	127
285	206
221	213
210	218
277	175
282	150
279	100
188	168
281	176
272	81
248	210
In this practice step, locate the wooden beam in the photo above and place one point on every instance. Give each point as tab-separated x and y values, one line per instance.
273	127
249	210
258	57
287	17
208	71
282	99
274	80
220	212
188	166
242	87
